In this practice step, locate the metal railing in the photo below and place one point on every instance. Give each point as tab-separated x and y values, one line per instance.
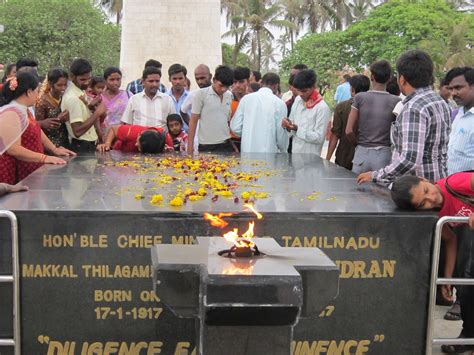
435	281
14	279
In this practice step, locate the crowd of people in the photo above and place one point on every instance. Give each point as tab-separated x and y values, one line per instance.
393	130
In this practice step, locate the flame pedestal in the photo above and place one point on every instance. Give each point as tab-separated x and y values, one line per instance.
245	305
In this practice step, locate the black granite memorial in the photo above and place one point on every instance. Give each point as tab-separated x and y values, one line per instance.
247	299
86	230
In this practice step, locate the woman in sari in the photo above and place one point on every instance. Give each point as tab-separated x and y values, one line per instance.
26	154
48	108
115	100
11	128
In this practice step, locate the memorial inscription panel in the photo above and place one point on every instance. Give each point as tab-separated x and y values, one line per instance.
87	277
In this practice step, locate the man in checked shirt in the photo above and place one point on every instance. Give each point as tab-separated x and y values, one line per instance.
421	131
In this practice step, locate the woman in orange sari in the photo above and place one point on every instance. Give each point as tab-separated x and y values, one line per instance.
26	154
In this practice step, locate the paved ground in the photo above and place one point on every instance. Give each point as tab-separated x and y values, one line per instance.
444	328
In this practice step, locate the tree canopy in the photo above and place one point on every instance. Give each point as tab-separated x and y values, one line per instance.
243	60
54	32
388	31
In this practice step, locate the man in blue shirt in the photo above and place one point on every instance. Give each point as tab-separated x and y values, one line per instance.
461	139
461	158
343	91
177	75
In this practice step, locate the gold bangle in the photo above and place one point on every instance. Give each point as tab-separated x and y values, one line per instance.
43	158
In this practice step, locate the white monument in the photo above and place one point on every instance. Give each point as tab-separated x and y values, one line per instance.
171	31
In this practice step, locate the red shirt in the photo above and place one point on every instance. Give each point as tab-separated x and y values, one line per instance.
180	141
127	136
459	182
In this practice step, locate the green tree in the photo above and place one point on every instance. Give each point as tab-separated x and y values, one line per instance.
54	32
235	14
325	53
388	31
294	12
360	9
452	51
258	16
327	14
242	60
399	25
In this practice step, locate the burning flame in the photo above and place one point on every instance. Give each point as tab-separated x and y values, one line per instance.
245	241
233	236
216	220
251	208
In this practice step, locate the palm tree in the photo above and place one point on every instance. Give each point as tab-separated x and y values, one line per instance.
112	7
235	11
258	16
462	5
295	13
359	9
454	51
269	56
324	14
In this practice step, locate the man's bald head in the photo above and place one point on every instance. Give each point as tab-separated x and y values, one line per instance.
203	76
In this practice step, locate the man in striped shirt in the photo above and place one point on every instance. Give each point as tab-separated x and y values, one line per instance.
461	140
420	133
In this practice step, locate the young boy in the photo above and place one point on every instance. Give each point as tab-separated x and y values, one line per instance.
175	130
413	192
134	139
451	196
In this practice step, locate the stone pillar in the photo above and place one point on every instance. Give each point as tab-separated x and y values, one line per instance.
171	31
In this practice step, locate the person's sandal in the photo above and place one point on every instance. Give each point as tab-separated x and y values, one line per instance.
454	313
457	349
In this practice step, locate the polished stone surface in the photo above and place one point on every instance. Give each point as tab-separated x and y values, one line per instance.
300	183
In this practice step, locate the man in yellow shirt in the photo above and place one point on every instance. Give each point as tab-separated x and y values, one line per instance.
82	133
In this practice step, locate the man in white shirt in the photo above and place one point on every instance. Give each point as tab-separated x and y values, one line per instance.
309	115
258	119
150	107
211	108
203	77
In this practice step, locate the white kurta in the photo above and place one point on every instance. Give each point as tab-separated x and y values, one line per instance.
312	125
258	121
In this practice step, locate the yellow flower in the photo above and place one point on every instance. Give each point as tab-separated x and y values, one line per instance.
261	195
139	197
195	198
156	199
177	201
202	192
245	195
225	193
